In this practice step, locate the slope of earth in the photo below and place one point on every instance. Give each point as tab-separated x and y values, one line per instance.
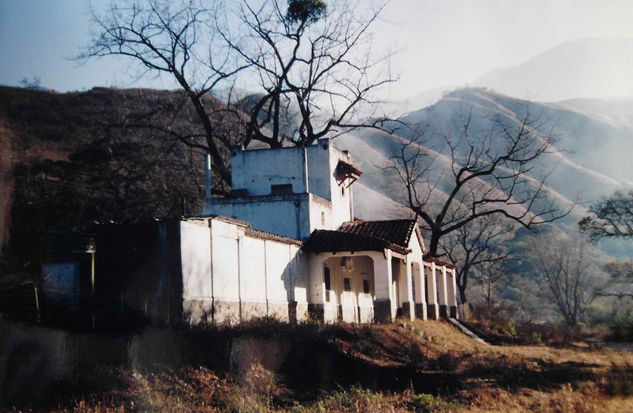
408	366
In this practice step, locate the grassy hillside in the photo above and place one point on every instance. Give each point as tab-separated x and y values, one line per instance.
409	366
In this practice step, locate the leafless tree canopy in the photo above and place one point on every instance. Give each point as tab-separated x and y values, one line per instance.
314	68
498	171
479	248
309	64
175	38
611	217
569	272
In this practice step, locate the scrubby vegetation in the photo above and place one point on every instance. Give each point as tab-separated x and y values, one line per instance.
408	366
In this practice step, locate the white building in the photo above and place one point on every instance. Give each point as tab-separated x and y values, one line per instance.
286	245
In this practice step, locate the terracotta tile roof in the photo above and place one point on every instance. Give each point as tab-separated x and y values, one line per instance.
439	262
363	236
395	231
344	167
336	241
270	236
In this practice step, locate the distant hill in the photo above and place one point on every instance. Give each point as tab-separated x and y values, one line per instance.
587	68
63	138
595	142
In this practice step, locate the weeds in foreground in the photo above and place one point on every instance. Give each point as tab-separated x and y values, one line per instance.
619	381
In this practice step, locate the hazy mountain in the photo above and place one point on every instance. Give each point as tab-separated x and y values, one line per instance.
588	68
594	142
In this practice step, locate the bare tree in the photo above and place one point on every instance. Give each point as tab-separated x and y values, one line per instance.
568	269
312	62
497	171
176	38
479	249
489	275
612	217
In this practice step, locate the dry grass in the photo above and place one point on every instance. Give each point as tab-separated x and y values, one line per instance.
429	366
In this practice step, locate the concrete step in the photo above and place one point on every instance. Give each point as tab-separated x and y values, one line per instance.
466	331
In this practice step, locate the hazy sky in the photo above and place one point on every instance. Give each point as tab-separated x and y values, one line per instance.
440	42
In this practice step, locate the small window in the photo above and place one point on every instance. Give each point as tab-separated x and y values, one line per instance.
326	278
322	218
282	189
347	285
366	286
342	190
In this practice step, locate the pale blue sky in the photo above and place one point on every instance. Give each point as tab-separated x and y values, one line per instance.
440	42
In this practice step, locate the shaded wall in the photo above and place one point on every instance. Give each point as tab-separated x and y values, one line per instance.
138	272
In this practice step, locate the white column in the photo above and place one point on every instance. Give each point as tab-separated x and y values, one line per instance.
383	303
316	295
431	280
420	298
383	277
432	283
451	287
441	284
452	300
408	291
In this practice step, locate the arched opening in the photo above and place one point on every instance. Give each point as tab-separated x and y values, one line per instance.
349	285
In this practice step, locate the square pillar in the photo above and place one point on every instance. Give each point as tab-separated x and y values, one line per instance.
442	296
419	292
408	308
452	292
383	303
316	294
433	312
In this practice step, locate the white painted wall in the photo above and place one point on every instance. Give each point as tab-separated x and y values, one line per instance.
257	170
252	278
221	262
321	204
282	215
341	197
224	261
279	270
195	252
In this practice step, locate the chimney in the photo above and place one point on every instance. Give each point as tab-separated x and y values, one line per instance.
207	175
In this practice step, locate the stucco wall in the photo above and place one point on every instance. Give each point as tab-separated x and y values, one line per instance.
257	170
195	250
351	306
282	215
341	197
320	170
231	276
